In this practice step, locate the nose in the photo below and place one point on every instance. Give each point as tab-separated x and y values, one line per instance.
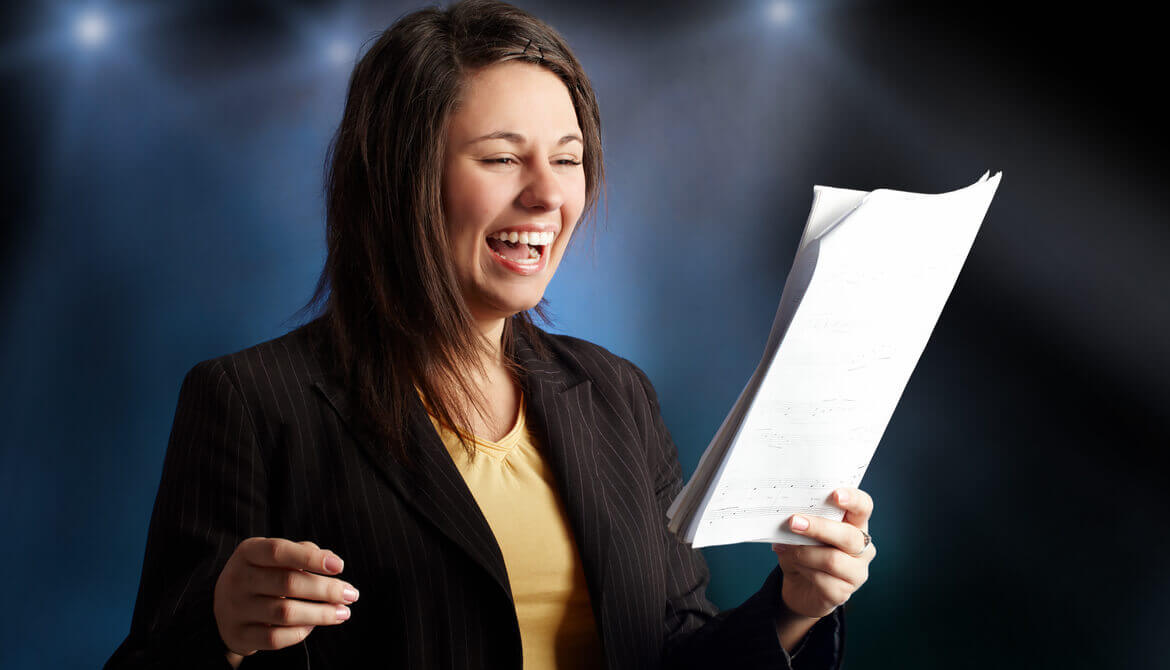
543	190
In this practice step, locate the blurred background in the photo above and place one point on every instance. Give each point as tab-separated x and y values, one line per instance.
162	205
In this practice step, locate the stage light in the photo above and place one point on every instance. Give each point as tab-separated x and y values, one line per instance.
91	29
340	52
781	11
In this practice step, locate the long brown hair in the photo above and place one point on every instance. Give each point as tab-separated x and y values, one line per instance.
393	311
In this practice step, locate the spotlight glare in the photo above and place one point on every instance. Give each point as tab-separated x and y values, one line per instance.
339	52
92	29
781	11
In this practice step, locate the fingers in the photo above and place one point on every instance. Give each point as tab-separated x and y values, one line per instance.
303	585
263	636
827	560
839	534
275	552
858	506
820	577
269	597
292	612
281	590
831	591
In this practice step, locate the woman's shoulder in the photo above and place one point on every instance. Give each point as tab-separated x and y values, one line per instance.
282	367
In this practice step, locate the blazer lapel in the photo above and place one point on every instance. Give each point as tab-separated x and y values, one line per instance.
560	412
437	490
561	415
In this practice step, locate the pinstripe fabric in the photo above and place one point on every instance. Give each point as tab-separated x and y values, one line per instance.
263	444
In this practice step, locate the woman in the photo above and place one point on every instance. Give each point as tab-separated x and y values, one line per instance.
494	495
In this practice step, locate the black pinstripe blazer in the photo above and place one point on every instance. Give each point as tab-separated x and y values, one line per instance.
263	445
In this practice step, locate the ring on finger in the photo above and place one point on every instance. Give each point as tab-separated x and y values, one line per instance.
866	541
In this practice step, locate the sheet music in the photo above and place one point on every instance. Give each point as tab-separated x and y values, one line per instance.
871	276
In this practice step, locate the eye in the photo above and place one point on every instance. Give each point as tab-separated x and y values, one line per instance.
567	161
502	160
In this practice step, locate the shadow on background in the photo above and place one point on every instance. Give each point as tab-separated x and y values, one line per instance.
163	206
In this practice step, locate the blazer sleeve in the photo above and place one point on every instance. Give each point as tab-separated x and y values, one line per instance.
698	635
211	497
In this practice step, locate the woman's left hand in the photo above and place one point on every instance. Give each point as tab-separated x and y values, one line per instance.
817	579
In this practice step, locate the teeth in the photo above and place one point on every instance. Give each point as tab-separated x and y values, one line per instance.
533	256
533	259
534	239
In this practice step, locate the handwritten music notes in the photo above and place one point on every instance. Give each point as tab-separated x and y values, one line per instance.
869	281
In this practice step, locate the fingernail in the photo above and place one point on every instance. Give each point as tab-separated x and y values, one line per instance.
842	496
342	613
349	594
334	564
799	522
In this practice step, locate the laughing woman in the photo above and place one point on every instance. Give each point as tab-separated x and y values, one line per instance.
422	478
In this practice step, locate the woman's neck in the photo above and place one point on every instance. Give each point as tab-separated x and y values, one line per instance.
493	333
500	391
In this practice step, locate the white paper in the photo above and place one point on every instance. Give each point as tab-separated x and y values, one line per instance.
868	284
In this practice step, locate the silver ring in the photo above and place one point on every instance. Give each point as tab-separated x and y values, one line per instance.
867	541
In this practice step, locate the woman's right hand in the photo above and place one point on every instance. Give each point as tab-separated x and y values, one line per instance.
268	597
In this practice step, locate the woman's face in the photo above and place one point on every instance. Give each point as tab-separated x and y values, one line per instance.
513	186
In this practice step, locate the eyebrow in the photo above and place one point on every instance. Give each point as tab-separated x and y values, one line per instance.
517	138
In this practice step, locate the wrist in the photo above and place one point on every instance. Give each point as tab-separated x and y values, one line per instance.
791	627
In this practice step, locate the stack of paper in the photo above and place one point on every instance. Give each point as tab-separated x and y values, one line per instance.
870	278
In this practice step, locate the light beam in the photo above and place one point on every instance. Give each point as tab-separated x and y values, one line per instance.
91	29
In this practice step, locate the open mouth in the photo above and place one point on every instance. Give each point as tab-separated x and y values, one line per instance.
521	248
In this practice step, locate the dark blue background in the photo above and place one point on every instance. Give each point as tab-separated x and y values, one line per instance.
162	205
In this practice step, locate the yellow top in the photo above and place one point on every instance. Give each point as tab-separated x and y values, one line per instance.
517	493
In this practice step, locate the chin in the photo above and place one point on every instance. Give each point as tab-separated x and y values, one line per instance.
503	303
515	306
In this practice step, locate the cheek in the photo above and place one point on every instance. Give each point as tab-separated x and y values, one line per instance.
464	221
577	200
461	195
573	218
472	211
